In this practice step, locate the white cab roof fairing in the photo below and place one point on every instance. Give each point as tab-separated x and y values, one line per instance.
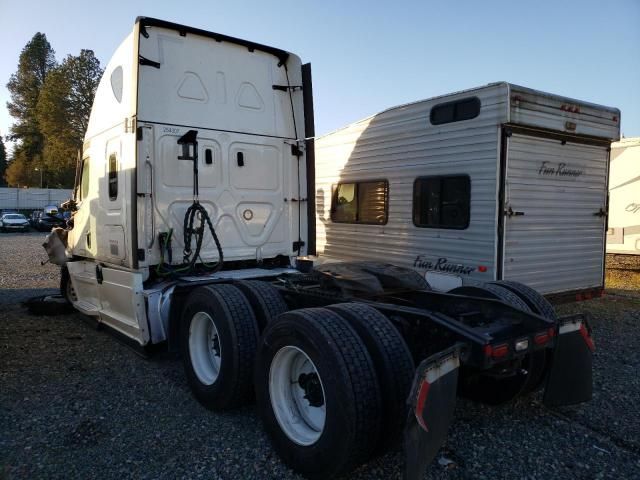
207	81
118	80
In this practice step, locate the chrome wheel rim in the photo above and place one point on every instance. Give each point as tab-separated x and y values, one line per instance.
205	349
297	395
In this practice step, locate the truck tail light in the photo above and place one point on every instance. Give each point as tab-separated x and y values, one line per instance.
496	351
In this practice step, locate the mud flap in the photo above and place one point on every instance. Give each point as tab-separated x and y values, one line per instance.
432	402
570	376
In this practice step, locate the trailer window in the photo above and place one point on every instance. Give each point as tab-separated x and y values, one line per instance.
449	112
442	202
113	177
84	182
360	202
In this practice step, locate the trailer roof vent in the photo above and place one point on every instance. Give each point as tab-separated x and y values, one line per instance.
455	111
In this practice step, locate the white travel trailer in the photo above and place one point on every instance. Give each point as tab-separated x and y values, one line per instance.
499	182
191	210
623	235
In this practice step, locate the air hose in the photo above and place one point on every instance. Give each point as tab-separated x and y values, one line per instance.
196	212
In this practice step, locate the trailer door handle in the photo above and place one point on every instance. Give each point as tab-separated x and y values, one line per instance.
510	213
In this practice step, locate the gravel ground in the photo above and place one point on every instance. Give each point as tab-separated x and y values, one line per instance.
75	403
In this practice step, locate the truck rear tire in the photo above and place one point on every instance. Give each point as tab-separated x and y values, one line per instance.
265	300
219	336
540	305
490	290
536	302
392	361
491	390
66	286
317	392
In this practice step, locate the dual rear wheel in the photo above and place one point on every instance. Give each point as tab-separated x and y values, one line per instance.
529	377
330	383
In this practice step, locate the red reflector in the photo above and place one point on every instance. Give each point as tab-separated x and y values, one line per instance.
422	399
541	338
488	350
615	118
587	338
482	268
500	351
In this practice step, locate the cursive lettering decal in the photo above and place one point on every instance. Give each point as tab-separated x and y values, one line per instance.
560	170
633	207
442	265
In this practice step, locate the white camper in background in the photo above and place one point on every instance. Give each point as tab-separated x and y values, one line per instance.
499	182
623	235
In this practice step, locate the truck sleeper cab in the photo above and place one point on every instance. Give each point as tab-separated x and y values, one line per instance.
190	212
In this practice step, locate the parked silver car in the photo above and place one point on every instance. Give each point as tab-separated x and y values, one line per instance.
14	222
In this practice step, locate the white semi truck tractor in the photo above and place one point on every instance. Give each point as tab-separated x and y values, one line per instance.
193	218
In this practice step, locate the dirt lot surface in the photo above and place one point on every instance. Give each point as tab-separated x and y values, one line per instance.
76	403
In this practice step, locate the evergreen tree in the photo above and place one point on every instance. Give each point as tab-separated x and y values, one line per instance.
36	61
3	163
63	113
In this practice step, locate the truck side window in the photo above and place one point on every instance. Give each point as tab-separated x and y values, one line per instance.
361	202
84	183
113	177
442	201
456	111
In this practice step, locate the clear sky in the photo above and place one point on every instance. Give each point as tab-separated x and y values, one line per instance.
368	55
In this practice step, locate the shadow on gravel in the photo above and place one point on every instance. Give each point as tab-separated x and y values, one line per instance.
19	295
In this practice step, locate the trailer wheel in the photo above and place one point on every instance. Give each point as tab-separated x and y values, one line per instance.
219	335
536	302
265	300
317	392
392	361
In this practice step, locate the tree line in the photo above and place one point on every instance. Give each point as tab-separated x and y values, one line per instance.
50	103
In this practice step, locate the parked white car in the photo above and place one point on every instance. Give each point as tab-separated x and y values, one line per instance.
14	222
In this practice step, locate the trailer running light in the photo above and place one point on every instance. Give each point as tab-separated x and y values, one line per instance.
497	351
521	345
482	268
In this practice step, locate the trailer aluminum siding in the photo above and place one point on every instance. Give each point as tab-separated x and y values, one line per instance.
397	146
538	169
